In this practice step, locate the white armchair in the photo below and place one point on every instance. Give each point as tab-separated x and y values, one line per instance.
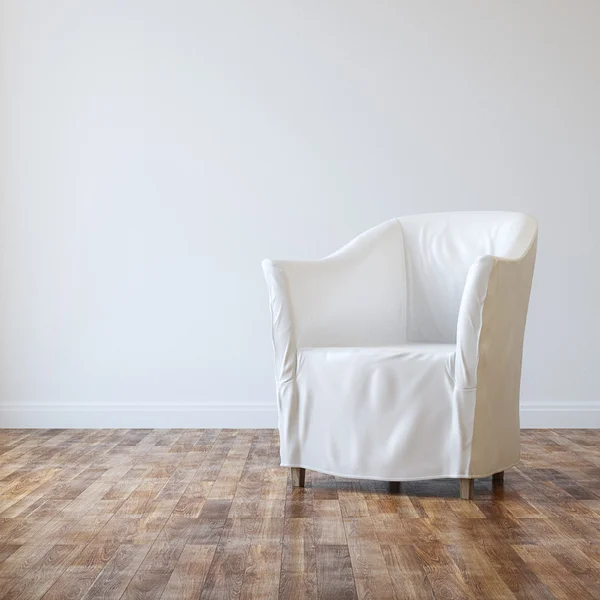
398	357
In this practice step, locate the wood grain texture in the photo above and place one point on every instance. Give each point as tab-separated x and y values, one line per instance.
209	514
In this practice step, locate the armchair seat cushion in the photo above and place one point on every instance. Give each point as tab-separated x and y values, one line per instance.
377	412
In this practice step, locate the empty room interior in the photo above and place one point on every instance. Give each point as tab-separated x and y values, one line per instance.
299	300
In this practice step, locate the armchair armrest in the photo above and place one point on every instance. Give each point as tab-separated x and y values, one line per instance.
470	321
492	316
354	297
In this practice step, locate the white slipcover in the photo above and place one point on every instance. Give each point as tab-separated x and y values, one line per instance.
398	357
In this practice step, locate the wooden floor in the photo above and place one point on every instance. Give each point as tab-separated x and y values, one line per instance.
179	514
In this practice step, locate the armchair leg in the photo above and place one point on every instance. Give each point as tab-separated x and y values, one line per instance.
395	487
466	489
298	475
498	477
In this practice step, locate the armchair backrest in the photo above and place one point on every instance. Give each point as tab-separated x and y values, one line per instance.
439	250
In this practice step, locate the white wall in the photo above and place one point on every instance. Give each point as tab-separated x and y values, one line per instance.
153	152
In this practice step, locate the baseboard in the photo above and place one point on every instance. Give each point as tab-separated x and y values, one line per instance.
134	416
236	416
560	416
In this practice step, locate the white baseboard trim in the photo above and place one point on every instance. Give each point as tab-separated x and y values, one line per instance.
574	416
560	416
139	416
